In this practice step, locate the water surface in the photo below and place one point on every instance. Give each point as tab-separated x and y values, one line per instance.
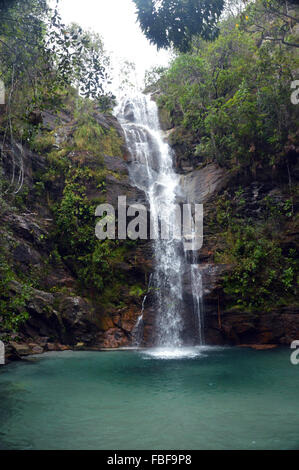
207	398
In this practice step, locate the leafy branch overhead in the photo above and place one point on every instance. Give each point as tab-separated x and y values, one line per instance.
168	23
79	58
37	47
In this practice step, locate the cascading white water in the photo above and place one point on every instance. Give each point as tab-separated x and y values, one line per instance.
152	171
197	288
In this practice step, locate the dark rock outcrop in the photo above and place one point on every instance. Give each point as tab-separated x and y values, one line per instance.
203	183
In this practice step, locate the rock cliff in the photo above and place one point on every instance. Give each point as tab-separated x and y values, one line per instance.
42	252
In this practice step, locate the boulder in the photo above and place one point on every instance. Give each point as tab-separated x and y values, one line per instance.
112	338
21	349
26	227
35	348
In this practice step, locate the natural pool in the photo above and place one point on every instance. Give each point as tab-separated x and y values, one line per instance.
205	398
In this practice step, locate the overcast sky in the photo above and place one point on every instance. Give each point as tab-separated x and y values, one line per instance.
115	21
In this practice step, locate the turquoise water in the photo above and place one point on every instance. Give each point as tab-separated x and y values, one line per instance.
225	398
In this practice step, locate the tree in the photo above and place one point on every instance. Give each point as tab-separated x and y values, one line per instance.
78	58
127	78
169	23
153	75
273	20
37	47
40	60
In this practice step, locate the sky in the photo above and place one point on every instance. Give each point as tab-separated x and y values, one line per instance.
115	21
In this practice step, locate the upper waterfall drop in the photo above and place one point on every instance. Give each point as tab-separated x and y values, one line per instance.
152	171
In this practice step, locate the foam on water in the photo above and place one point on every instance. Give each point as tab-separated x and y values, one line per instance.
177	353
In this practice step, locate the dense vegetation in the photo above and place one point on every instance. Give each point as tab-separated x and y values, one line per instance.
43	65
228	102
233	97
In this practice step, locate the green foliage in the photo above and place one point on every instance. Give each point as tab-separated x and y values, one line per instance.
39	188
37	47
12	301
21	199
88	137
264	271
92	137
74	211
272	20
228	112
169	23
93	261
263	274
137	291
153	75
80	58
42	61
111	295
42	142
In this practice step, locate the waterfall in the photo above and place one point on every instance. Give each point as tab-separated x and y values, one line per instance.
197	288
137	332
152	171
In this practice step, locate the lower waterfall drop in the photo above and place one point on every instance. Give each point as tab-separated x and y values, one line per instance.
152	171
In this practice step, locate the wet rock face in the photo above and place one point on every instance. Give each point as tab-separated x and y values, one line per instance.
235	327
281	326
129	112
201	184
113	338
59	320
26	227
25	255
149	325
121	185
58	317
